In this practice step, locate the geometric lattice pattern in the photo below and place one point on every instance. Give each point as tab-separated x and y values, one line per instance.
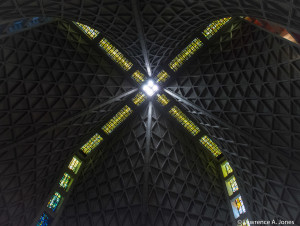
249	112
58	89
118	176
46	111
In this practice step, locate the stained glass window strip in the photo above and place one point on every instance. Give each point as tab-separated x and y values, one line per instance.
44	220
90	32
162	77
162	99
240	205
75	164
185	54
117	119
184	120
91	144
54	201
139	98
228	168
211	146
232	185
65	181
115	54
244	222
138	76
213	27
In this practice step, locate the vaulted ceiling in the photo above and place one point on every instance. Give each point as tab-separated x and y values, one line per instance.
57	90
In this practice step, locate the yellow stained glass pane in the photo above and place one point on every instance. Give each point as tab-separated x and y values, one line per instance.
75	164
162	77
240	205
211	146
65	181
185	54
139	98
162	99
231	185
226	168
91	144
213	27
115	54
138	76
90	32
184	120
117	119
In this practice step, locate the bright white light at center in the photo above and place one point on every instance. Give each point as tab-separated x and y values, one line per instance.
150	88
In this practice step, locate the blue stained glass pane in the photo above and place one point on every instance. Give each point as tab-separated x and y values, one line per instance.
44	220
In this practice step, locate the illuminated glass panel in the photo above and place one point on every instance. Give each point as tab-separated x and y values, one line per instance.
226	168
54	201
244	222
44	220
75	164
213	27
117	119
238	206
115	54
185	54
211	146
91	144
231	185
184	120
90	32
162	99
139	98
162	77
138	76
65	181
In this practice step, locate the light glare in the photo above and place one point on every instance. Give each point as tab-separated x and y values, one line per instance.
150	88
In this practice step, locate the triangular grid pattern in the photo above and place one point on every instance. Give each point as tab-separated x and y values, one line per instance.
223	83
184	187
48	113
165	23
46	80
185	184
249	78
266	176
109	190
27	176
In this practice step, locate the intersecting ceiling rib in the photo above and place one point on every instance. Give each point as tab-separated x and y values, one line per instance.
56	89
165	23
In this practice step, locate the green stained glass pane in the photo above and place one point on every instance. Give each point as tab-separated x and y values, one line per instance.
54	201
